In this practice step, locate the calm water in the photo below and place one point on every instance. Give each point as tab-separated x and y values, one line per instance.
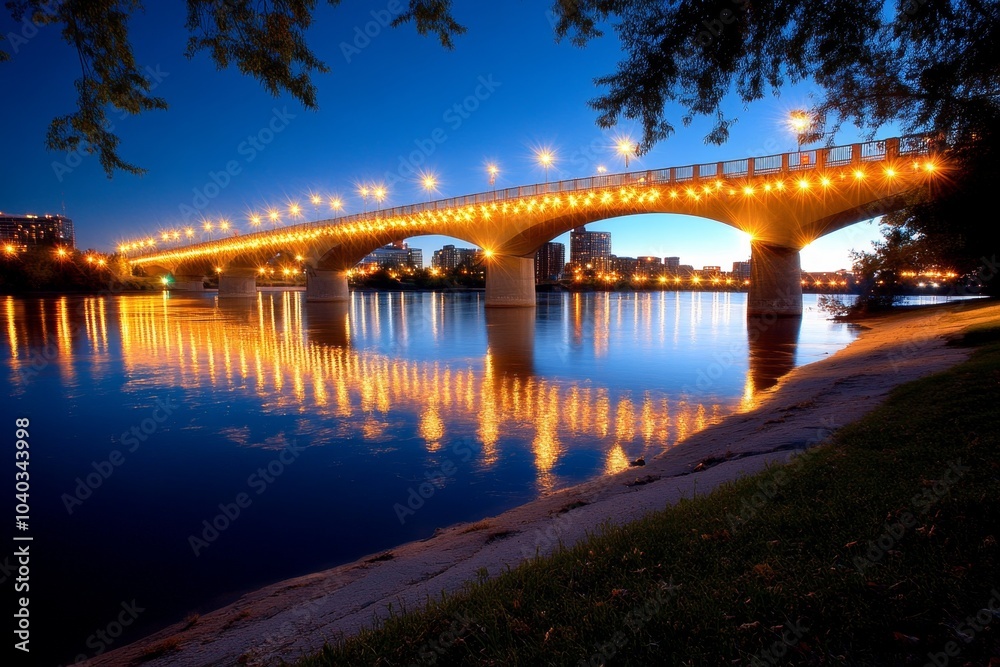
153	416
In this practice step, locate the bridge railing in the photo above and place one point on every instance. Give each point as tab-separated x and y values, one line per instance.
836	156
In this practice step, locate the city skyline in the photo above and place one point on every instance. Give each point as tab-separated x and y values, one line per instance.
208	157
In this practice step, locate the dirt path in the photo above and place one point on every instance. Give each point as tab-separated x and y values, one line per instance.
294	617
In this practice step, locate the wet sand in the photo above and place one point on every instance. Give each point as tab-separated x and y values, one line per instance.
292	618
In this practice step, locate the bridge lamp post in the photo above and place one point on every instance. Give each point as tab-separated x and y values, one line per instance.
627	148
274	217
379	193
365	192
493	171
545	158
429	182
207	226
336	204
799	121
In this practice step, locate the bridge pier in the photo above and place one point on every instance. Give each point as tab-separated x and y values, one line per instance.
775	281
238	283
324	285
188	283
510	282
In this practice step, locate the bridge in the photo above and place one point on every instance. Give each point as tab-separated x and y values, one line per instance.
784	202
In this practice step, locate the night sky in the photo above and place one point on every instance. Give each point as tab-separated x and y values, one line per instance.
383	103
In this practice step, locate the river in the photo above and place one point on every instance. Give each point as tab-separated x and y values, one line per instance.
185	449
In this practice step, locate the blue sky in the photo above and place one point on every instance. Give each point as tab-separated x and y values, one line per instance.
389	97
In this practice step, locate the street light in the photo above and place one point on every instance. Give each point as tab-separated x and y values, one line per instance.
429	182
379	194
493	170
365	192
545	158
799	121
627	148
336	204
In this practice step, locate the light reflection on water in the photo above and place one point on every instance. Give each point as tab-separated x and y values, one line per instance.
380	392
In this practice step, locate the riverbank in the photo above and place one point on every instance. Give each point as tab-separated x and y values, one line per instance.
291	618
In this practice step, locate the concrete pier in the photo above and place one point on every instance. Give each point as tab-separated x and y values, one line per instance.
188	283
325	285
238	283
510	282
775	281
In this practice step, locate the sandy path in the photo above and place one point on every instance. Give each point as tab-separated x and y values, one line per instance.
293	617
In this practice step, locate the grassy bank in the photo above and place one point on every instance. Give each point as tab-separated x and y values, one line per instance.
879	547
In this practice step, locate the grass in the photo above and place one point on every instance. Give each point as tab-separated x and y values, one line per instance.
871	549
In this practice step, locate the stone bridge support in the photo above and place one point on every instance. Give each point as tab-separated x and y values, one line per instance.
510	281
775	281
326	285
238	283
190	283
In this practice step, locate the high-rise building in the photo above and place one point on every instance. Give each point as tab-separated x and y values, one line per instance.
24	231
649	267
625	267
450	257
590	251
741	271
672	265
394	256
549	261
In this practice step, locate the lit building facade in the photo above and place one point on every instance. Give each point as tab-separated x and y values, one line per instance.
549	261
590	250
394	256
25	231
741	271
450	257
649	267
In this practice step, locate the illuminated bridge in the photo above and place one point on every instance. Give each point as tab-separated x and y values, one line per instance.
784	202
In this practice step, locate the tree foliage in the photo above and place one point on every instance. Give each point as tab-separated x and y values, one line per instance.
263	39
931	65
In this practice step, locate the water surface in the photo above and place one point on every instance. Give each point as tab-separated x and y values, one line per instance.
185	449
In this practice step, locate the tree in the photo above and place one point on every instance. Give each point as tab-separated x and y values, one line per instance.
264	40
931	65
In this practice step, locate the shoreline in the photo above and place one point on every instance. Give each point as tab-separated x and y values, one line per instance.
291	618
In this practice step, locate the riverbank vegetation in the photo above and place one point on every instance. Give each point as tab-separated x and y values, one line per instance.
878	547
59	269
